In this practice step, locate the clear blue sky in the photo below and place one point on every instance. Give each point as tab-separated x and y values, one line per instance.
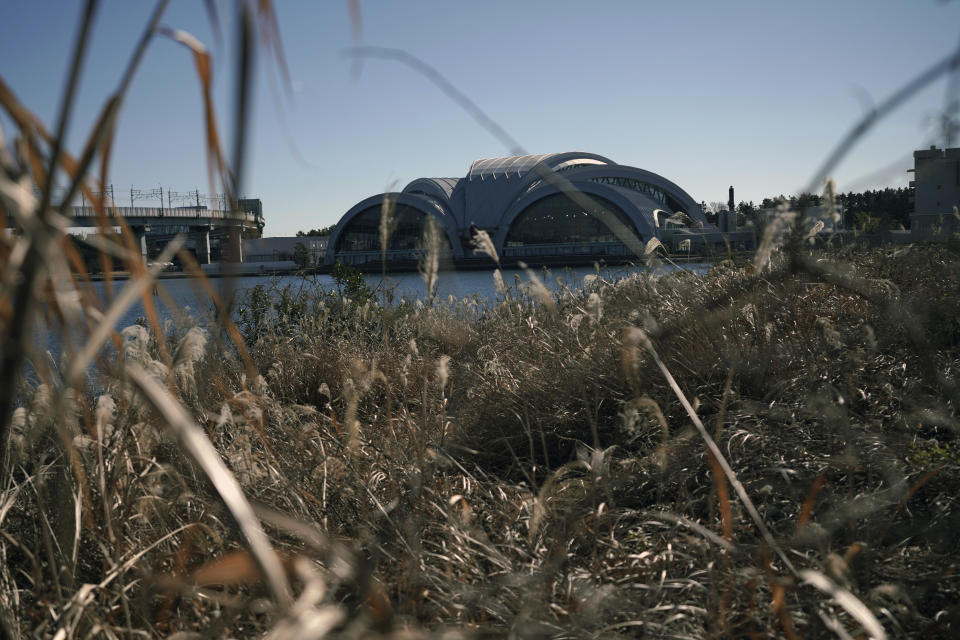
749	93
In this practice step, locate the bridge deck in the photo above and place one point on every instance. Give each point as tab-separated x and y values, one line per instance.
139	216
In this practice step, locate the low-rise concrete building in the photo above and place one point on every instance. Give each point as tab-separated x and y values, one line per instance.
284	248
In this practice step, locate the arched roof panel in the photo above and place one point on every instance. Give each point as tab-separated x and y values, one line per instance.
510	167
494	183
438	187
427	204
637	207
690	206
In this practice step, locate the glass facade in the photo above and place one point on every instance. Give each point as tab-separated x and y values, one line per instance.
430	198
362	235
556	219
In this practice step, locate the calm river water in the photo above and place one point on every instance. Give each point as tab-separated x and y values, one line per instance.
184	300
184	296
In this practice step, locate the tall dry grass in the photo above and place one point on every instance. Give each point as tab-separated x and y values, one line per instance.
767	450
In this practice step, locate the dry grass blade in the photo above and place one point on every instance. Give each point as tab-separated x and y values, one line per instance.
21	116
66	106
640	336
807	509
356	19
623	233
540	504
7	500
230	569
270	35
651	246
204	67
103	131
195	442
128	564
430	264
223	313
40	236
901	95
723	495
388	223
445	86
213	17
243	86
724	544
848	601
133	291
539	290
893	307
309	533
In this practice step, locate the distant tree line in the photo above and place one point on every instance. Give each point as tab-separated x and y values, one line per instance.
868	210
322	231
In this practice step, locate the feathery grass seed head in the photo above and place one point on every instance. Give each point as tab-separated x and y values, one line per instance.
443	371
482	243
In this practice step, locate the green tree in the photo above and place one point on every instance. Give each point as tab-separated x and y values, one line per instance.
772	203
350	282
301	255
892	207
805	200
746	211
866	222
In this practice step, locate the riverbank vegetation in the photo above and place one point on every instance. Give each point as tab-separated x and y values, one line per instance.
765	452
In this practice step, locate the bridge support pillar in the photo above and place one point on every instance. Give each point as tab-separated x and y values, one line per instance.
233	250
140	235
201	240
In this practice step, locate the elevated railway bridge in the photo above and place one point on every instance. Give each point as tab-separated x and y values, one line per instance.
152	224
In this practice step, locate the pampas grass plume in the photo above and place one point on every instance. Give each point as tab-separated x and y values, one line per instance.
483	244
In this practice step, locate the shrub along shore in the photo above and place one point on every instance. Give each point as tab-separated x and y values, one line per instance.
770	449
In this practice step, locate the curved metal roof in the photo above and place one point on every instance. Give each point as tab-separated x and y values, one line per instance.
688	204
494	183
516	166
432	186
427	204
639	208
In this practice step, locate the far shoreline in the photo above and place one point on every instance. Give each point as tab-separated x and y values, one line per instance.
249	269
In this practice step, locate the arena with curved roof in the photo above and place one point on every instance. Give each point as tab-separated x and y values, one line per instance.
550	208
